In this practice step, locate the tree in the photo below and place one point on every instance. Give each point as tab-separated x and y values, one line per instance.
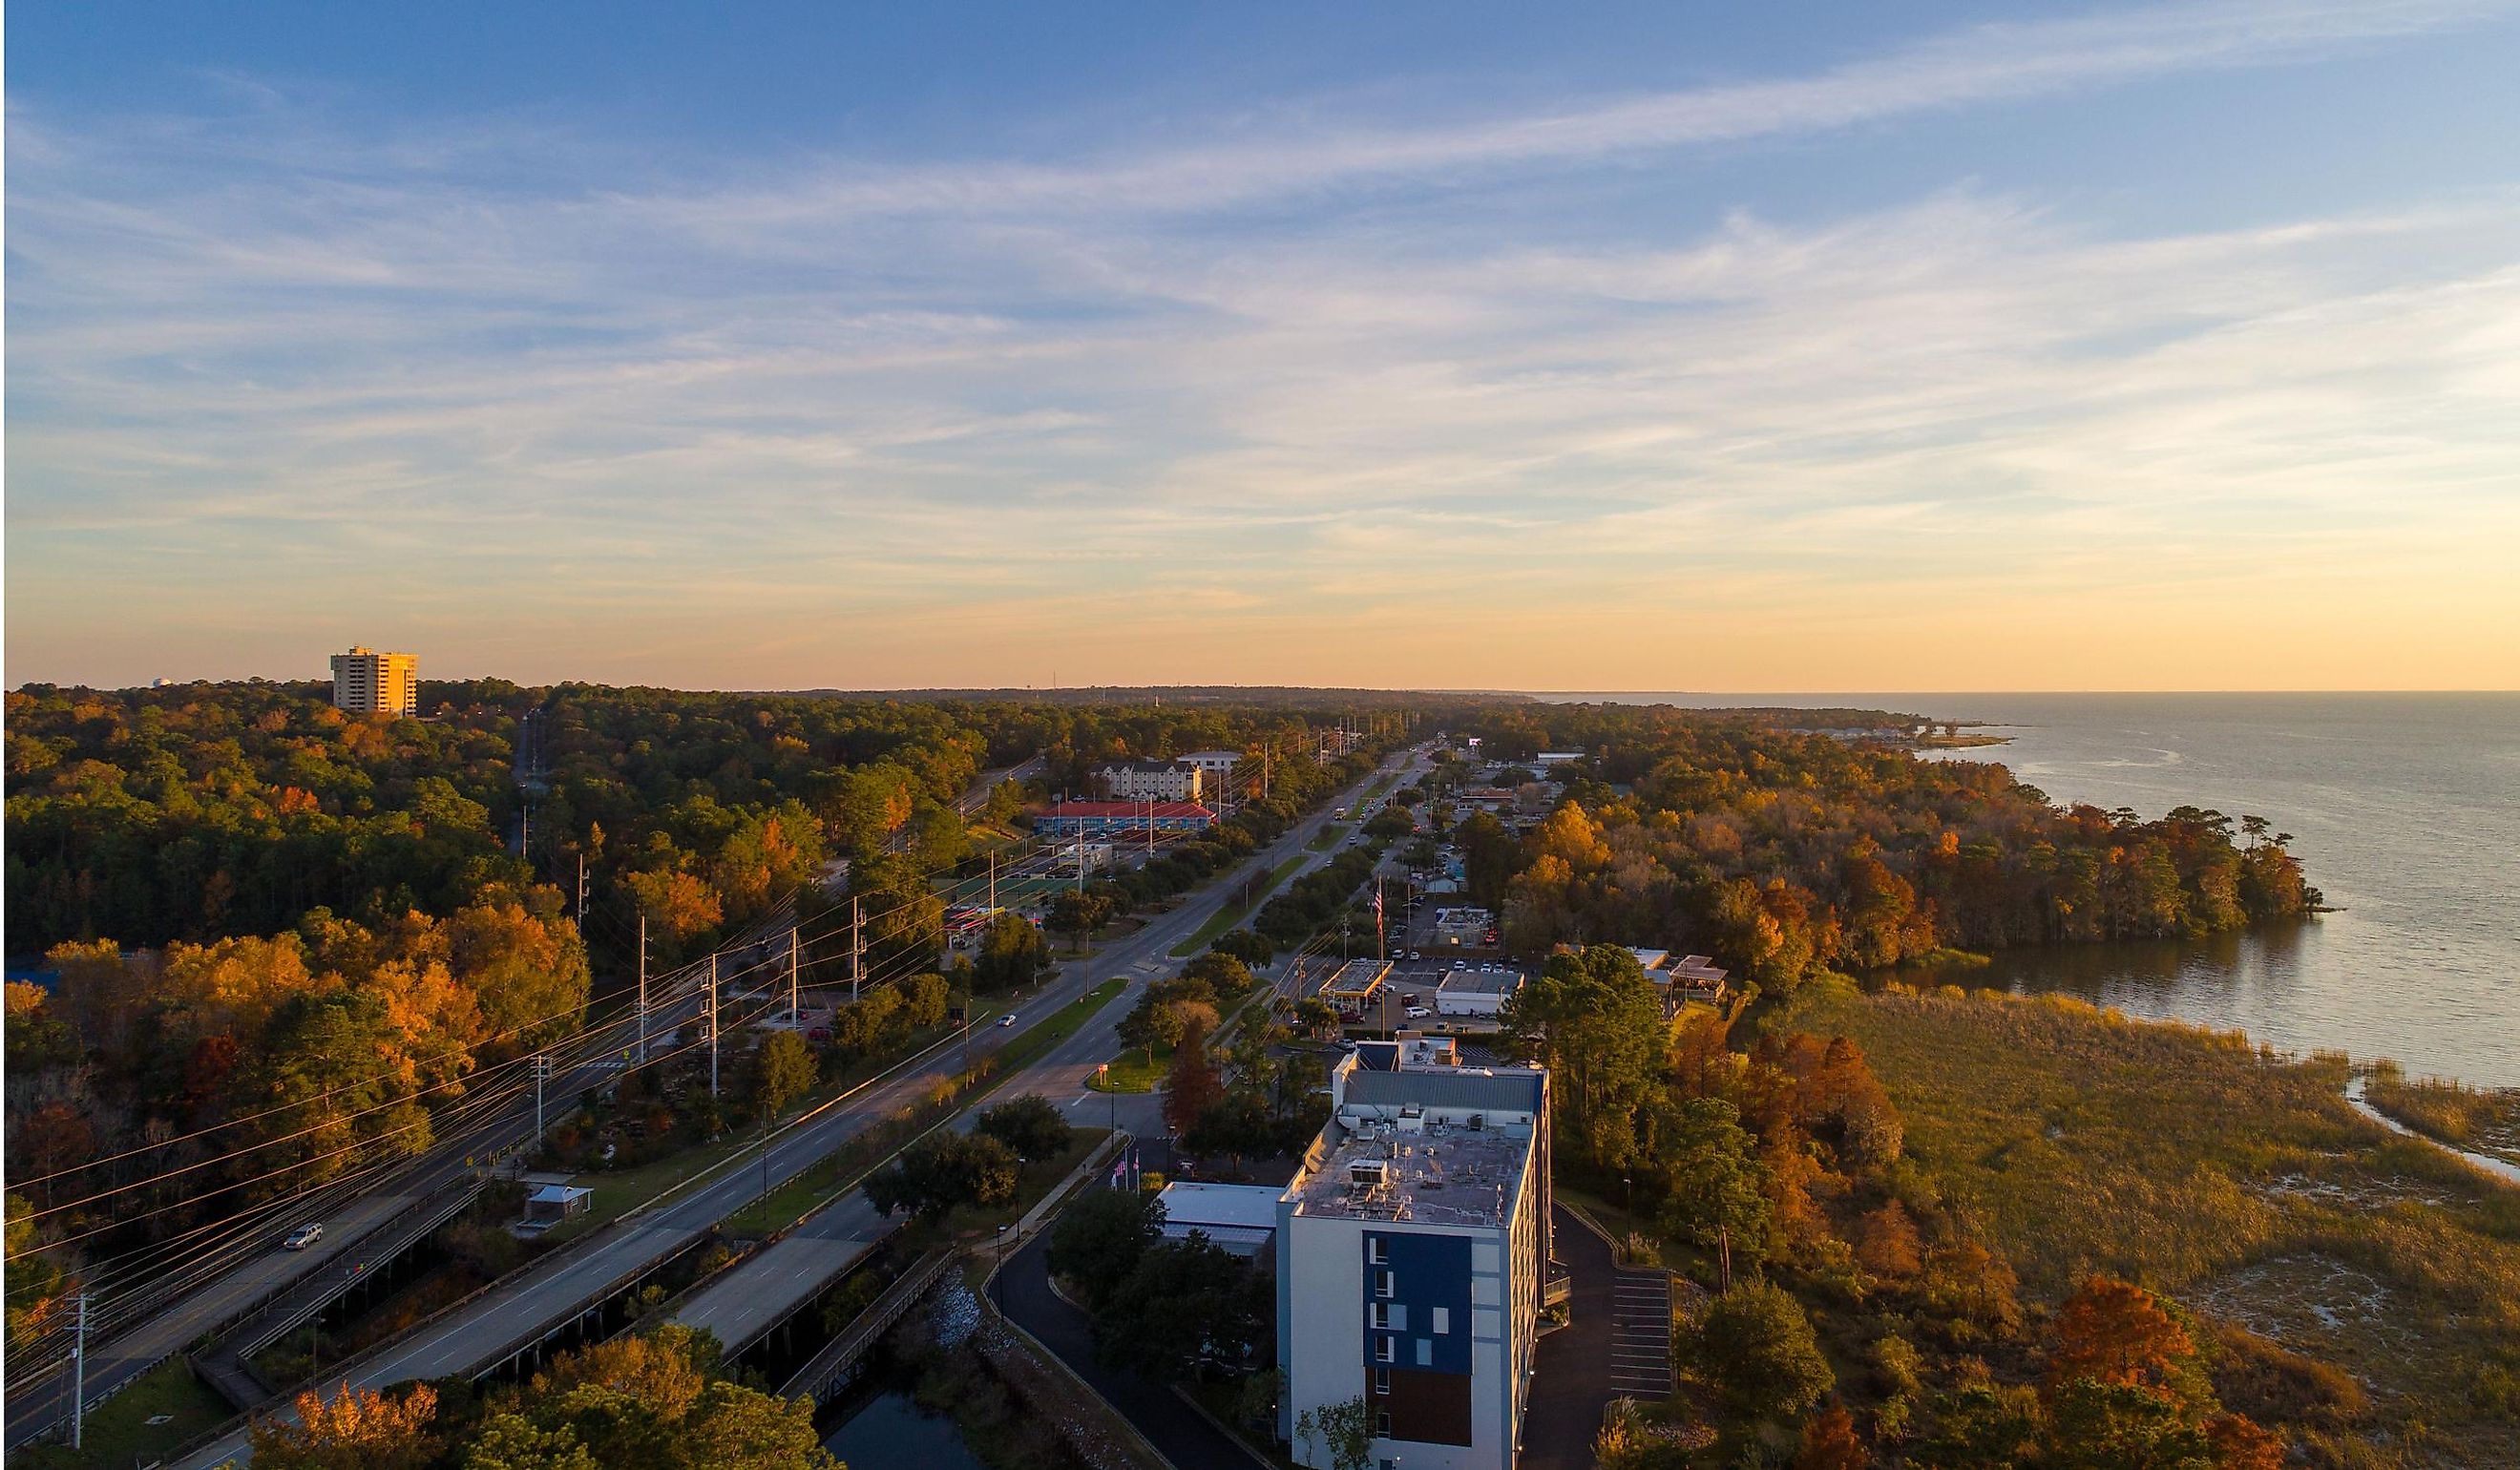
1711	1180
784	1070
34	1277
1012	952
659	1399
936	1174
1077	913
1187	1303
1344	1430
1222	973
1245	946
523	963
1031	1125
356	1429
1594	1020
1829	1443
1759	1349
2116	1333
512	1442
1191	1087
1100	1239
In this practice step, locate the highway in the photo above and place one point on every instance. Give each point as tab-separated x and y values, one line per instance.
518	1308
231	1278
756	1294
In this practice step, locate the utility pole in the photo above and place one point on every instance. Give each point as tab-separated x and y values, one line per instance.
542	1074
857	950
643	987
78	1372
993	882
712	1024
581	888
792	975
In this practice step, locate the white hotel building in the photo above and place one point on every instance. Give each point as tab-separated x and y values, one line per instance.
1412	1251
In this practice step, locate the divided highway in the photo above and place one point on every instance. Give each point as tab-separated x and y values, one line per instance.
551	1290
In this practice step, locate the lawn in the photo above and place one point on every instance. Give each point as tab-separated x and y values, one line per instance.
1132	1072
1330	837
118	1433
1234	913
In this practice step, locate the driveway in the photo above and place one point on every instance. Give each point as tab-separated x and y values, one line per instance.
1617	1343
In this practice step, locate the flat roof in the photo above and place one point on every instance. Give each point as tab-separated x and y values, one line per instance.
1507	1089
1445	1176
1483	982
1357	977
1190	1202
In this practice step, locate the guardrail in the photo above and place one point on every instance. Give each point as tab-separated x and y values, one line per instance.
247	1337
829	1368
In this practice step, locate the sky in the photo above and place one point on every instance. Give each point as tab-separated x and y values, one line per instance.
1662	346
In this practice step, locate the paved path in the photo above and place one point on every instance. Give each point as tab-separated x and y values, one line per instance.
555	1287
1181	1433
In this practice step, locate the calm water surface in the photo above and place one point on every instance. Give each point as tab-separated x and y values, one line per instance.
2405	809
881	1426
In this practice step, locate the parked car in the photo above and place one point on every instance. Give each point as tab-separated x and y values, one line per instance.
1398	953
1414	954
304	1237
1461	964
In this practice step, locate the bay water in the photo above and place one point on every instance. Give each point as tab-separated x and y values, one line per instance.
2405	810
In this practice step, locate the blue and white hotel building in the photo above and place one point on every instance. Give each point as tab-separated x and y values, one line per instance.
1412	1250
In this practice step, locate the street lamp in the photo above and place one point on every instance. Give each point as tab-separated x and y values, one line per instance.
996	1278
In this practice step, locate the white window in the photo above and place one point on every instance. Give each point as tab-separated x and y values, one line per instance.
1382	1427
1384	1285
1374	1254
1382	1380
1382	1317
1443	1322
1382	1350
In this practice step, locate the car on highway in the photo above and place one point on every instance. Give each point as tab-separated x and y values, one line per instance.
1008	1019
304	1237
1419	1013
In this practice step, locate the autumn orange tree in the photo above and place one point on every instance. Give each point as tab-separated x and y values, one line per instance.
2125	1386
356	1429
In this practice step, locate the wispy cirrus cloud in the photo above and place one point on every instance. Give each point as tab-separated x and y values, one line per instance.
960	413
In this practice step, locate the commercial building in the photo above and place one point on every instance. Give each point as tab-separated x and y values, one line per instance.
1463	929
366	682
1481	992
1215	770
1412	1254
1148	780
1238	1218
1110	819
1353	985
